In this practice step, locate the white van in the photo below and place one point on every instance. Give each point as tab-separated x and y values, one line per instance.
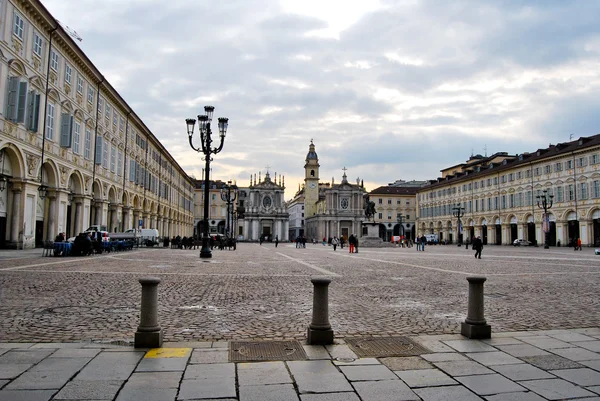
148	235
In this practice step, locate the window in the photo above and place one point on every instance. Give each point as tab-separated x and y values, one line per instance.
88	143
570	193
407	217
581	162
50	122
113	158
596	189
68	73
380	216
519	175
120	163
16	100
594	159
54	61
568	164
380	202
558	167
583	190
107	111
547	169
66	130
19	26
121	124
389	215
76	137
398	202
105	154
33	111
527	173
115	118
90	96
100	106
79	85
538	171
511	200
528	198
389	201
559	194
37	45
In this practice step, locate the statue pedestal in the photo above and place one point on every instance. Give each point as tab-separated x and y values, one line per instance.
372	240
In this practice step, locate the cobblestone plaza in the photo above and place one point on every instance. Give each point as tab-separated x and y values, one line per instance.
263	292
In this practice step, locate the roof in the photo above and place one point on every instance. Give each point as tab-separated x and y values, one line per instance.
388	190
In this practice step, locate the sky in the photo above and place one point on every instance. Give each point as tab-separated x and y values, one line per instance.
387	89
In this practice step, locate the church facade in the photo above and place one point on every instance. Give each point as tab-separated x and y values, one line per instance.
331	210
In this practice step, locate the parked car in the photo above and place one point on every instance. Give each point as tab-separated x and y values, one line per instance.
523	242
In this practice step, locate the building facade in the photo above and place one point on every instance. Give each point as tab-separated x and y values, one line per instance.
295	208
220	220
73	153
330	209
498	197
395	210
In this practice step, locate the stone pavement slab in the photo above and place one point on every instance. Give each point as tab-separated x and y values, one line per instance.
209	371
27	395
75	353
551	362
89	390
316	352
493	358
522	371
318	377
162	365
502	341
146	394
209	355
571	337
444	357
13	370
262	373
574	354
446	394
556	389
340	351
110	366
356	362
545	342
583	377
151	380
590	345
21	356
385	390
463	368
521	350
591	364
369	372
469	346
396	363
521	396
273	392
425	378
214	387
489	384
330	397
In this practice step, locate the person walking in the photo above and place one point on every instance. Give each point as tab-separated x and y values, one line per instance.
423	242
478	246
356	244
334	242
418	242
351	242
579	243
276	240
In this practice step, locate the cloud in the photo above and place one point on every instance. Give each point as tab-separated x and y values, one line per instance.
389	89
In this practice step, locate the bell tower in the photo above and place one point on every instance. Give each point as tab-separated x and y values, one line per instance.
311	181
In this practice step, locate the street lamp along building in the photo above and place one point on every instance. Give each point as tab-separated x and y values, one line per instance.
499	194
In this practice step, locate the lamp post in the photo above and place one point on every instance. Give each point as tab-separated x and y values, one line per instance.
544	201
400	220
204	121
227	197
458	211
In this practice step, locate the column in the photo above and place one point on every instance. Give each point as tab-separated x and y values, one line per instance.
16	216
51	230
246	233
286	230
78	217
254	232
114	221
505	234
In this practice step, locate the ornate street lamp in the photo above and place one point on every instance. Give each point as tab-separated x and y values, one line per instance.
206	148
458	211
400	220
43	191
226	196
544	201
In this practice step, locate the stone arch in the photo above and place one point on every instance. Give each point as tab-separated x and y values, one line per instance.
97	192
66	106
37	83
17	67
13	161
569	214
89	123
125	199
53	95
75	182
78	114
136	202
49	174
146	206
112	195
528	217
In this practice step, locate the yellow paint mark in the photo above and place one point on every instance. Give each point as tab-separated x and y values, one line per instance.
168	353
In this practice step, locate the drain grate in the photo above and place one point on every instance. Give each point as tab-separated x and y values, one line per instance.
247	351
387	346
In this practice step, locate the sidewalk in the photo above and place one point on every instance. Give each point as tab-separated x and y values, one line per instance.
524	366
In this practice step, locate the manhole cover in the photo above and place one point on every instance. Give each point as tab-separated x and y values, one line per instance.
387	346
266	351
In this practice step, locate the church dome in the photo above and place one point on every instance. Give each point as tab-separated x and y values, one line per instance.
312	155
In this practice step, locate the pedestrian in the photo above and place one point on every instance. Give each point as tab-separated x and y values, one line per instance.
579	243
342	242
423	241
467	244
324	241
418	242
478	247
276	240
260	240
334	242
351	242
356	244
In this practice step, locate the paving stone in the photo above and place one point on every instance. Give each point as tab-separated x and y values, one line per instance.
161	365
469	346
385	390
550	362
502	341
220	344
545	342
71	365
85	389
10	371
329	397
147	394
318	377
214	387
493	358
396	363
489	384
452	393
3	382
595	389
425	378
444	357
154	380
572	337
56	346
20	356
340	351
433	345
583	376
110	366
522	371
16	345
590	364
520	396
27	395
209	355
75	353
463	368
190	344
273	392
556	389
371	372
262	373
575	354
521	350
316	352
590	345
357	362
209	371
4	350
41	380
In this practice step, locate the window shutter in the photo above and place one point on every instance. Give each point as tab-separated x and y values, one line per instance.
22	102
30	110
66	130
12	98
98	158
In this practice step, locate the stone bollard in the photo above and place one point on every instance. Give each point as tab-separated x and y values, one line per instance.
475	325
149	333
319	331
